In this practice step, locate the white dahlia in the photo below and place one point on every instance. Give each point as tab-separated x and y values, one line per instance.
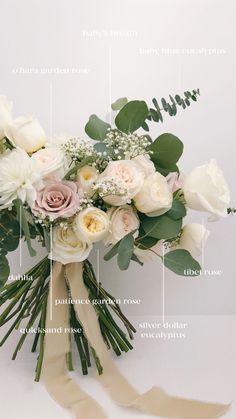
18	178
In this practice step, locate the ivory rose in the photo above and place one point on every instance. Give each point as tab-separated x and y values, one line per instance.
86	176
205	189
67	247
26	132
193	238
57	199
5	115
51	162
155	197
92	225
123	220
125	173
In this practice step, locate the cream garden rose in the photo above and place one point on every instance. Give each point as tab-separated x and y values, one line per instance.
51	162
127	174
205	189
92	224
123	220
193	238
145	164
86	176
5	115
67	247
26	132
155	197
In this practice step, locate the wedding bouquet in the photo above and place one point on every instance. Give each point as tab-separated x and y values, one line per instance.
118	187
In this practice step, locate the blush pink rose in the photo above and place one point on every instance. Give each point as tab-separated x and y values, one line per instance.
57	199
175	181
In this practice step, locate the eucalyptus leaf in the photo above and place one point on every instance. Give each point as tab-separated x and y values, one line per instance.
112	252
177	211
96	128
132	116
162	227
125	251
166	150
182	263
119	103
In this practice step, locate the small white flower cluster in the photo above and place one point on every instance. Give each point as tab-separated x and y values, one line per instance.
78	149
85	203
110	186
126	146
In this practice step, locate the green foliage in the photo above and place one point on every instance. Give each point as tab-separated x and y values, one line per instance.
162	227
23	221
132	116
119	103
171	105
4	270
182	263
177	211
96	128
125	251
9	232
166	151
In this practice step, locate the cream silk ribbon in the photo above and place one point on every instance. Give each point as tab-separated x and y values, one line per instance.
64	389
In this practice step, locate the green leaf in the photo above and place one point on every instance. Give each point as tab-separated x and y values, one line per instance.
78	166
119	103
177	211
167	149
9	232
144	241
125	251
47	239
136	259
22	219
182	263
112	252
162	227
4	270
100	147
96	128
131	116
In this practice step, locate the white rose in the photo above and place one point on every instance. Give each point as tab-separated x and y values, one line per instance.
92	224
67	247
19	178
5	115
86	176
193	238
26	132
151	254
123	221
175	181
155	197
51	162
145	164
127	175
205	189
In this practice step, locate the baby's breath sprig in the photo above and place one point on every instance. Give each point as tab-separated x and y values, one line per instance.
111	186
126	146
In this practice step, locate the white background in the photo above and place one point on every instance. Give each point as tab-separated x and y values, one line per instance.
138	49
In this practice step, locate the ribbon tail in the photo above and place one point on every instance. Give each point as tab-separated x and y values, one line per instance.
59	384
155	401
